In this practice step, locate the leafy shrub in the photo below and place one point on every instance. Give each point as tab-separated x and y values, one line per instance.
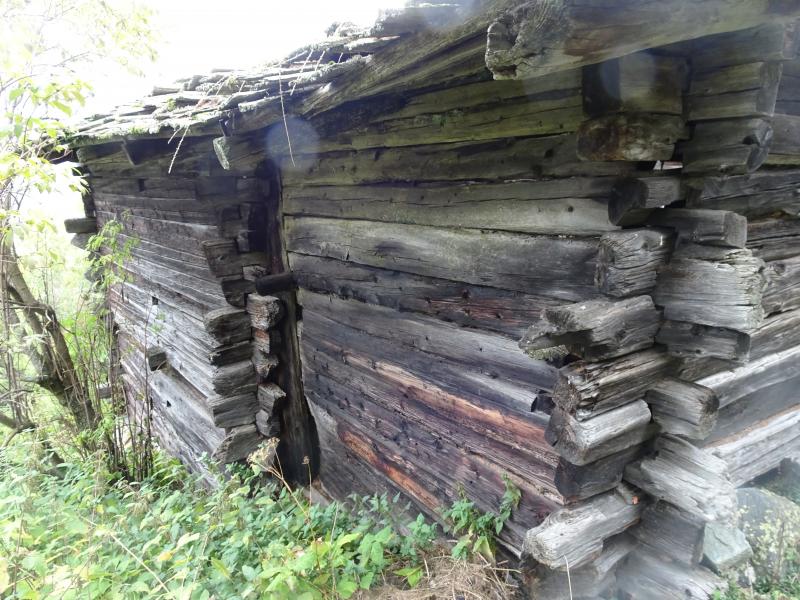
90	534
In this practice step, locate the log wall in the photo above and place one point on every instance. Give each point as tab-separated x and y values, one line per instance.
585	283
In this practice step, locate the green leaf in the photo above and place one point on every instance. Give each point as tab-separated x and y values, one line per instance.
249	572
346	587
187	538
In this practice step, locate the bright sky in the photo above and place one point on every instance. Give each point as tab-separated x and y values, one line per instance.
198	35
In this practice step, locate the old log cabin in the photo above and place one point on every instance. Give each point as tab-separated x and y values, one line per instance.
554	241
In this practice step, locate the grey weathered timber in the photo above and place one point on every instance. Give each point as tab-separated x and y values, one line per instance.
596	329
630	137
671	532
227	325
265	311
700	226
628	261
693	341
735	383
760	448
587	389
739	91
633	200
783	285
156	358
589	440
586	583
579	482
542	37
571	537
573	206
557	267
267	285
774	238
683	408
646	575
641	82
758	194
270	397
481	352
240	153
267	424
481	307
778	332
239	443
81	225
731	146
232	410
223	257
716	287
234	379
687	477
785	149
768	42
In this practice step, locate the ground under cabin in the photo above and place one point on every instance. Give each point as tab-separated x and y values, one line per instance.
547	242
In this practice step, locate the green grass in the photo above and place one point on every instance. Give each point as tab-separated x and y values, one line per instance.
87	535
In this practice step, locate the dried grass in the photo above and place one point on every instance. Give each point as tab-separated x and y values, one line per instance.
451	579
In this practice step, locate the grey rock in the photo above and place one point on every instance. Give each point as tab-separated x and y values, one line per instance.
724	547
771	524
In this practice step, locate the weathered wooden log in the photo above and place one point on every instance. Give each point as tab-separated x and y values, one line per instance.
584	442
538	38
235	379
232	410
693	341
81	225
239	443
783	285
573	206
633	200
785	149
578	482
671	532
640	82
758	194
265	311
270	397
240	153
777	333
481	353
627	261
156	358
710	286
687	477
713	227
648	576
223	257
267	424
586	583
731	146
739	91
768	42
139	151
571	537
480	307
597	329
760	448
227	325
557	267
267	285
630	136
586	390
683	408
731	385
774	239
